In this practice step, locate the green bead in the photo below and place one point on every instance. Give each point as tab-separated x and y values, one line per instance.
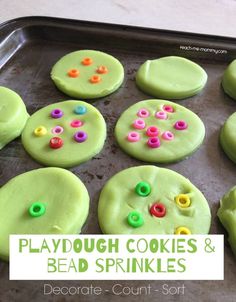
135	219
37	209
143	189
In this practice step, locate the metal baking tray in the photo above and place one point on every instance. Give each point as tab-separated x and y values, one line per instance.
28	49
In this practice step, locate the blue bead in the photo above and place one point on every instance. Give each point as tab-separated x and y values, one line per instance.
80	110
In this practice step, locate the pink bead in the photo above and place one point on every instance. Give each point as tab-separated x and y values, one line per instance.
139	124
133	137
152	131
143	113
154	142
168	108
161	115
180	125
76	123
167	135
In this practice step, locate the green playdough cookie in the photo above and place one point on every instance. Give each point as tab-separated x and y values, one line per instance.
171	78
229	80
227	216
87	74
13	115
42	201
227	137
152	200
64	134
159	131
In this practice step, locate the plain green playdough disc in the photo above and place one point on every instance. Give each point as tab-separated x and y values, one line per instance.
59	200
124	209
77	118
227	137
227	216
13	115
229	80
165	116
87	74
171	78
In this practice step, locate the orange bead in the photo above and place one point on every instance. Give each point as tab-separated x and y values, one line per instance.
95	79
102	70
73	73
87	61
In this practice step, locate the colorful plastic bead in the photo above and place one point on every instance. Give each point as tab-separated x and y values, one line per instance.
182	231
80	110
183	200
139	124
158	210
56	143
143	189
37	209
95	79
168	108
167	135
40	131
80	136
133	137
73	73
135	219
57	130
76	123
152	131
102	69
180	125
87	61
56	113
153	142
143	113
161	115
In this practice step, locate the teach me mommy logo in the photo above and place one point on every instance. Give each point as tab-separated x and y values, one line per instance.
116	257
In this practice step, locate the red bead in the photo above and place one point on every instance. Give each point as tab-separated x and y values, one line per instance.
56	142
158	210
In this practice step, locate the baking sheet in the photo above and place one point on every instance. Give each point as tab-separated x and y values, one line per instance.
28	49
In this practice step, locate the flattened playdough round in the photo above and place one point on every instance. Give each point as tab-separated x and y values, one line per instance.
168	191
13	115
174	144
227	137
71	118
229	80
171	78
227	216
60	193
87	74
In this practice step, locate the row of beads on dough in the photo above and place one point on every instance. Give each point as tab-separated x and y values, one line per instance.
162	115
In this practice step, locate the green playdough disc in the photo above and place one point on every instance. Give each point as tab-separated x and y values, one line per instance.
173	206
64	134
13	115
227	216
229	80
171	78
227	137
87	74
163	131
42	201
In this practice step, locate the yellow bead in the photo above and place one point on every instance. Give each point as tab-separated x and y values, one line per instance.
182	231
183	200
40	131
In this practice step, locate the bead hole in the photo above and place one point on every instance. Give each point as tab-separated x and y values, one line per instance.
37	209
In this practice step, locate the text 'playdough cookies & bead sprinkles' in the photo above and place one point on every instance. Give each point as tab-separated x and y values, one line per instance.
87	74
42	201
159	131
13	115
152	200
171	78
228	138
64	134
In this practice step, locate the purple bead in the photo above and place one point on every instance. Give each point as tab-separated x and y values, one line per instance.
80	136
56	113
181	125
